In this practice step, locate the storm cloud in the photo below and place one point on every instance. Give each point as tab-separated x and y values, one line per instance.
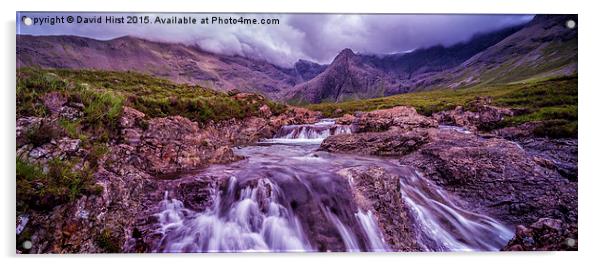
315	37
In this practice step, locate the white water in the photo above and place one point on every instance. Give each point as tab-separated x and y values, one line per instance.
308	133
368	223
255	222
444	226
275	198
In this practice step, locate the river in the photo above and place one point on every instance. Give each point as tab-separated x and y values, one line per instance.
288	197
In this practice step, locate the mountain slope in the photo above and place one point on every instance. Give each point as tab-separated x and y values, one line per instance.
177	62
539	49
542	48
347	77
545	47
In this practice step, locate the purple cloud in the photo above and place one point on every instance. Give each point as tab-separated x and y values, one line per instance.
316	37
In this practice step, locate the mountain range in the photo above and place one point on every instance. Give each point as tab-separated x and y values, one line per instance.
543	47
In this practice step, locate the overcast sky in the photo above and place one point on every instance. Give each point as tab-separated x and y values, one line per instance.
315	37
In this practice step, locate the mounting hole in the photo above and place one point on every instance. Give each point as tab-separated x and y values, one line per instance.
27	244
27	21
571	242
571	24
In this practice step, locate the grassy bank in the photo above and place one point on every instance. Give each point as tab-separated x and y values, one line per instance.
103	95
553	101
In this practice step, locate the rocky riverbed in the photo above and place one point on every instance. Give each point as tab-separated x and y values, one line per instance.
387	180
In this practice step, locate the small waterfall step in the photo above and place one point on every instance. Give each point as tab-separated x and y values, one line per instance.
309	133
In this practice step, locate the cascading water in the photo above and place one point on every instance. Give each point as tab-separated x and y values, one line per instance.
444	226
291	198
253	221
309	133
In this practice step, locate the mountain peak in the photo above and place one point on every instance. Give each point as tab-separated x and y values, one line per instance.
346	53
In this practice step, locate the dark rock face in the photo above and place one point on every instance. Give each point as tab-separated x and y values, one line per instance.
377	191
390	143
308	70
556	154
347	77
544	235
496	176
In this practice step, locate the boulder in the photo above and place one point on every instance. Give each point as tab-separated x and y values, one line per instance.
545	234
522	131
346	119
54	101
389	143
24	126
130	117
496	176
402	117
172	145
379	192
478	115
224	154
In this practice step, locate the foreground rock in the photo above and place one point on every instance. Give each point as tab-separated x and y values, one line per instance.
496	176
556	154
145	158
508	174
544	235
379	192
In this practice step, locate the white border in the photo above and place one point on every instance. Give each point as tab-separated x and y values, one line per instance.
590	88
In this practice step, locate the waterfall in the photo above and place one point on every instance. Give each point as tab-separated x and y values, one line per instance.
372	231
291	198
444	226
349	239
254	221
309	133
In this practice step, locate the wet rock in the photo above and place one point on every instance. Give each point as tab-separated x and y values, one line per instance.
224	155
172	145
198	193
555	154
496	176
389	143
377	191
478	115
145	149
545	234
346	119
296	116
